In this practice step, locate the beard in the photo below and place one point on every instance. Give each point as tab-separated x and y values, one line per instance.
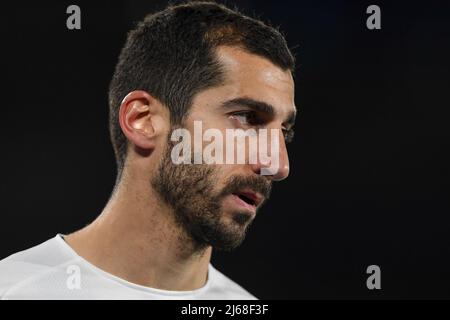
197	206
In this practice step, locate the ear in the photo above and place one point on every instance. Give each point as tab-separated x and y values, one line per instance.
140	118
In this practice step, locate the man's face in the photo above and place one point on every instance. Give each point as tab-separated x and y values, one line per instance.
216	203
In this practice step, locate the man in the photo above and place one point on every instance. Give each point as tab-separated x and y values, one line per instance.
188	64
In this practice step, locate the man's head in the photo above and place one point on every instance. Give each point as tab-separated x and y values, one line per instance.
202	62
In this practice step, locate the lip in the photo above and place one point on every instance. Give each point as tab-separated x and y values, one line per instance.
241	203
255	197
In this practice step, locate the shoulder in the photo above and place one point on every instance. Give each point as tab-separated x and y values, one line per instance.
225	288
25	267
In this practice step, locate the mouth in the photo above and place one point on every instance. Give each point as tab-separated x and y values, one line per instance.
249	197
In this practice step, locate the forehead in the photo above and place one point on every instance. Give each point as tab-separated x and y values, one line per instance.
256	77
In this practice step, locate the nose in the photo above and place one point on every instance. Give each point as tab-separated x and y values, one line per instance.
283	171
275	172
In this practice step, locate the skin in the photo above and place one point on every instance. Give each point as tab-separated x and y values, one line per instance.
135	237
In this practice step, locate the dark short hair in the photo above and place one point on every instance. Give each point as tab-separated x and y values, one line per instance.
170	54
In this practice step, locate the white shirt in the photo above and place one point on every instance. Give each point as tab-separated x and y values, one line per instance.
53	270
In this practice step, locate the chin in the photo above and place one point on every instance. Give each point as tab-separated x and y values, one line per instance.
231	233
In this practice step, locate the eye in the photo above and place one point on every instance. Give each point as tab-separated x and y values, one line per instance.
288	135
248	118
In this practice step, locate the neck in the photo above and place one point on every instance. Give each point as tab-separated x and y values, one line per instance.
136	238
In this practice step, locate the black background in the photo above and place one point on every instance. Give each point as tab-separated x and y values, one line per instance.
369	179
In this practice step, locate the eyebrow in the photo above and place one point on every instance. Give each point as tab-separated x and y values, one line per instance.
259	106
